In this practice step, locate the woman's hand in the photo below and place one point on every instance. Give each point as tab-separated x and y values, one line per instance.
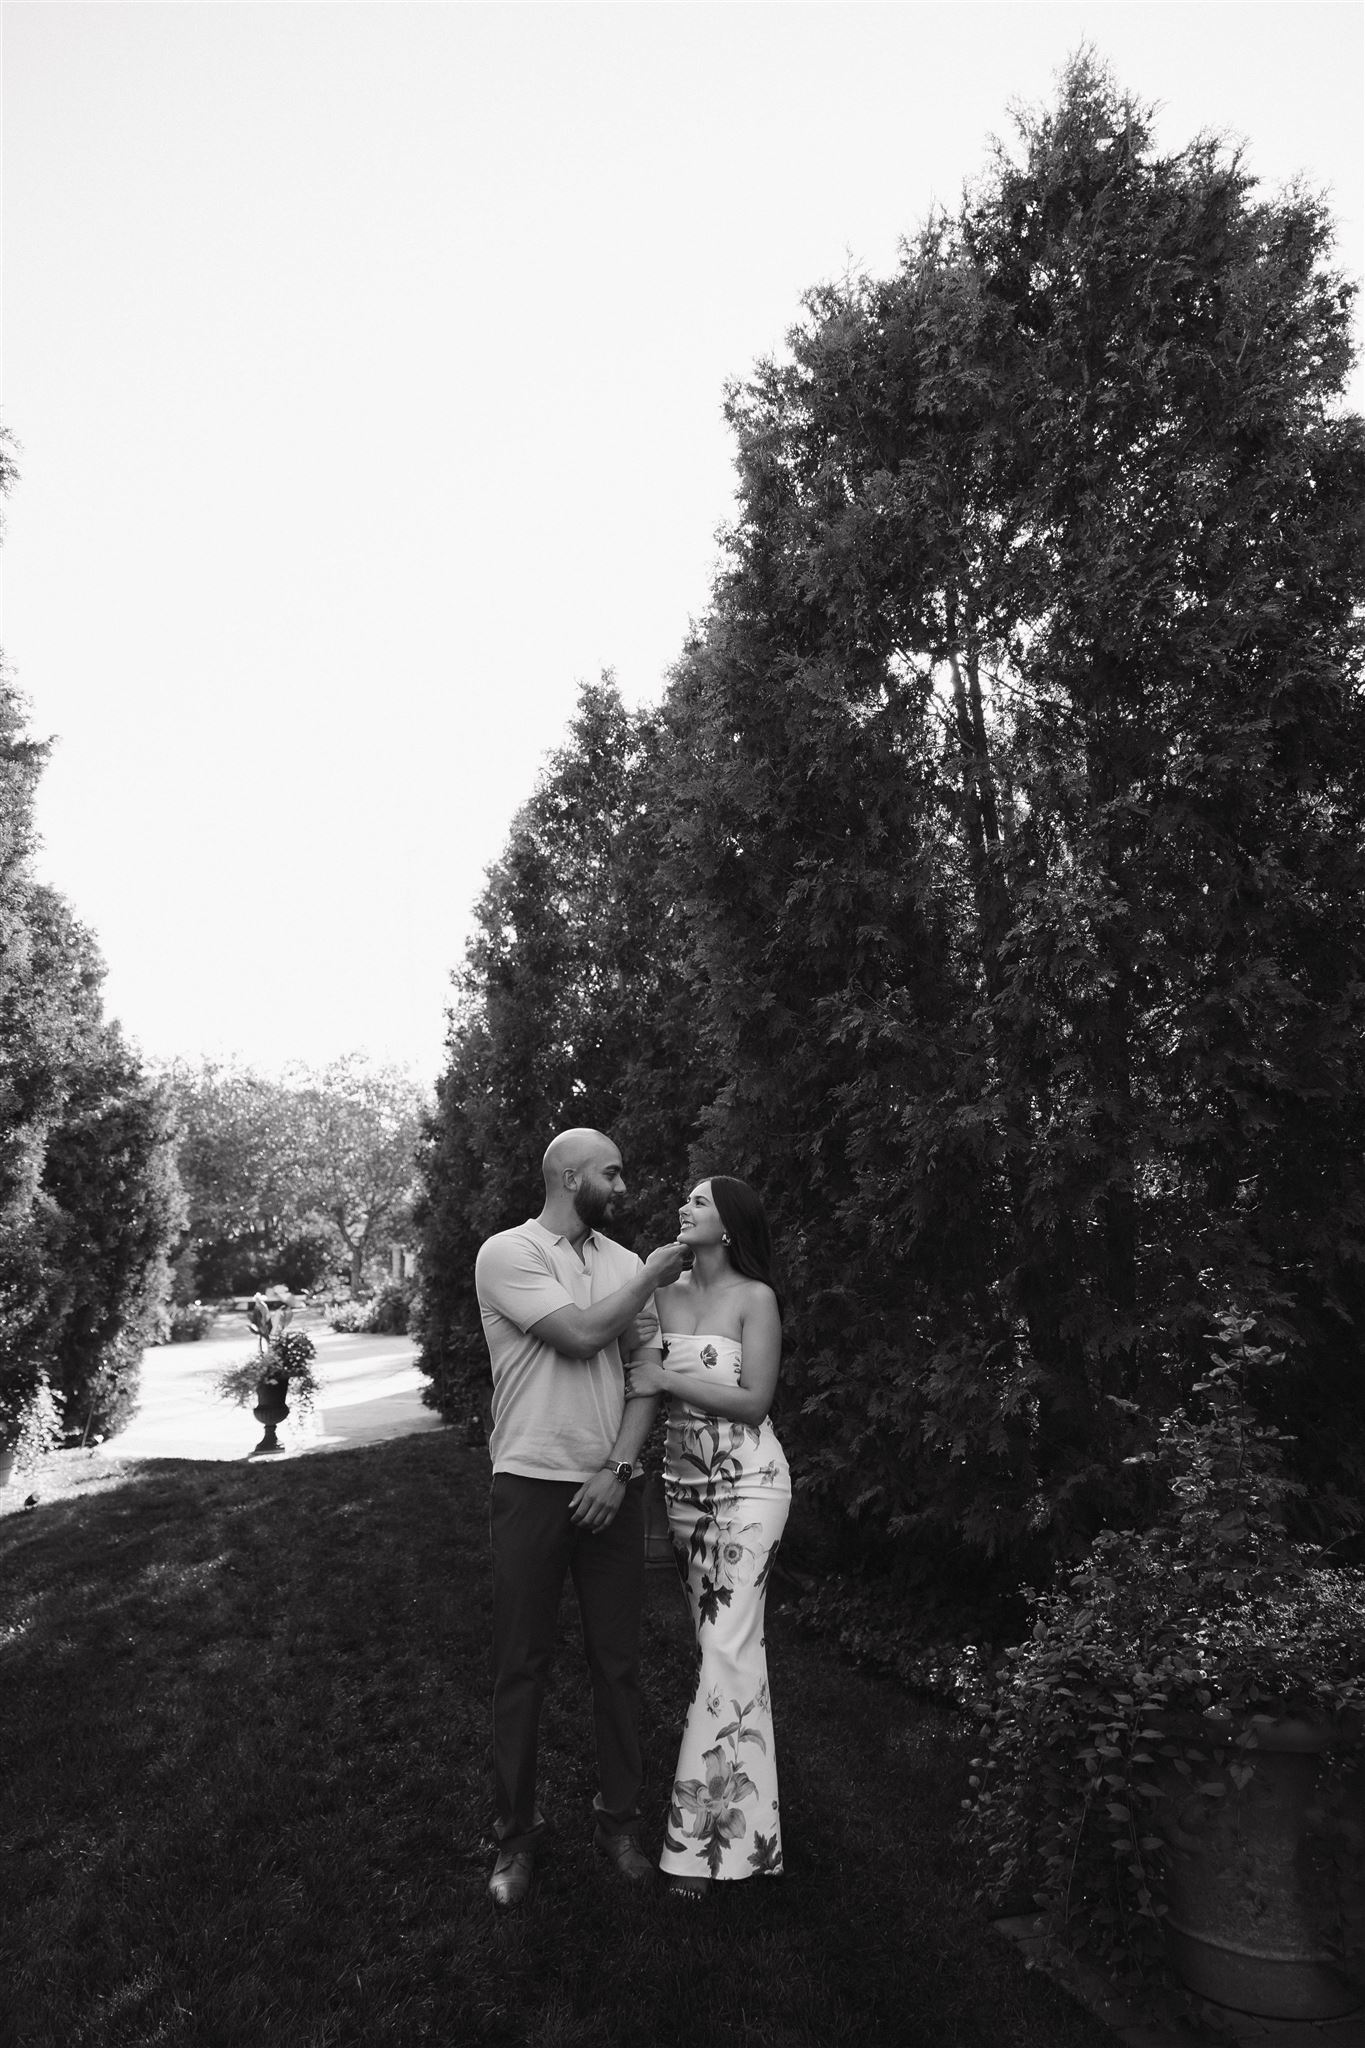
645	1378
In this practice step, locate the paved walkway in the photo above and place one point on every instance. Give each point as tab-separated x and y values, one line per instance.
370	1390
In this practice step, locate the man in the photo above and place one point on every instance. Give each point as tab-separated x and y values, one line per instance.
560	1304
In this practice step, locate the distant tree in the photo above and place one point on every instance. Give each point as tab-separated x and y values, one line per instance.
111	1208
287	1177
358	1128
573	1007
34	1031
239	1161
89	1201
35	1026
88	1198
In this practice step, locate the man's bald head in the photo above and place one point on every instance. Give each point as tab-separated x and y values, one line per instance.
583	1181
571	1151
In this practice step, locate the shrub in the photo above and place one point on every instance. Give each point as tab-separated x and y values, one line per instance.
110	1395
31	1426
1148	1668
190	1323
349	1317
391	1311
389	1314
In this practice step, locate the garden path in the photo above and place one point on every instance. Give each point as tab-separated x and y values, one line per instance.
370	1391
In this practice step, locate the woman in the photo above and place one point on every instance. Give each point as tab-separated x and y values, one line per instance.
728	1492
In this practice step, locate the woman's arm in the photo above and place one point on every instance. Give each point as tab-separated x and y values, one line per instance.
760	1336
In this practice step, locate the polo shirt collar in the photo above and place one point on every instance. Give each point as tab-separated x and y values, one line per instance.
559	1236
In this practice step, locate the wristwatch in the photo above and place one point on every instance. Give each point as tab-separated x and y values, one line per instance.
621	1472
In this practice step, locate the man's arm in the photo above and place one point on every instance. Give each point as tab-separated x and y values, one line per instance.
596	1501
581	1332
594	1505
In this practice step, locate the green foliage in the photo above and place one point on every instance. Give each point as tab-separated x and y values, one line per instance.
350	1317
288	1177
1146	1670
892	1637
360	1127
89	1202
388	1315
990	889
1019	818
112	1205
30	1422
306	1260
572	1008
391	1309
186	1325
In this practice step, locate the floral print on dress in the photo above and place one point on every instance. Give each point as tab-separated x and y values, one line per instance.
709	1811
728	1493
712	1808
706	1472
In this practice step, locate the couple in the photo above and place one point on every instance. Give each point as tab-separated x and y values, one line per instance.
582	1352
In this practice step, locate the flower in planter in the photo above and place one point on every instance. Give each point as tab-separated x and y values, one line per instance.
282	1354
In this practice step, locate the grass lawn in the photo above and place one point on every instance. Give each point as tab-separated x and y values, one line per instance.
243	1725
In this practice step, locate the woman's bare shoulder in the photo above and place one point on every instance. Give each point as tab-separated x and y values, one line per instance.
758	1298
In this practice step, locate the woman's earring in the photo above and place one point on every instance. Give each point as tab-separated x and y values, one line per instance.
725	1237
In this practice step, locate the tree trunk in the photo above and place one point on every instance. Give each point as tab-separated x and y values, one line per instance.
981	814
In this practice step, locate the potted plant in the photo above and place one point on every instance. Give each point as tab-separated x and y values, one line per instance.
1171	1762
281	1366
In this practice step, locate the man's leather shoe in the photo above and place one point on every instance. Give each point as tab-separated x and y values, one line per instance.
511	1879
623	1851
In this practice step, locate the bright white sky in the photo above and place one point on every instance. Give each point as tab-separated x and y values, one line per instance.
366	363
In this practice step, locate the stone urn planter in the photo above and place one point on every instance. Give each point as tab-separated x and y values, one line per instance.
282	1369
1241	1929
271	1409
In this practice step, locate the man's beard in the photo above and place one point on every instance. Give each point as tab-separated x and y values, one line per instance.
593	1206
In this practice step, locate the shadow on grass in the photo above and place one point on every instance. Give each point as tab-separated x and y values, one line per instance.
243	1713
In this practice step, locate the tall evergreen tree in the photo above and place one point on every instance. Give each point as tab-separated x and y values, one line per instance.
1023	824
572	1008
110	1207
89	1201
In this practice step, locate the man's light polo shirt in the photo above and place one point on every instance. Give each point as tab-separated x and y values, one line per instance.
553	1417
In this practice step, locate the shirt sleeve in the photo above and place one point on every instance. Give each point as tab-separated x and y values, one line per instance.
511	1276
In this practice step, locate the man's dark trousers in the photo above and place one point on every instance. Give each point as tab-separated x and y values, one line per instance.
534	1544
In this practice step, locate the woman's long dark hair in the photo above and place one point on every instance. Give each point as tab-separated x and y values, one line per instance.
750	1248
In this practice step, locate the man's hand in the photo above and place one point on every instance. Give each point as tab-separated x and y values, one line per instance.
645	1378
664	1265
594	1505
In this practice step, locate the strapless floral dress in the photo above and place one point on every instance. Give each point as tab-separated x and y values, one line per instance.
728	1491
